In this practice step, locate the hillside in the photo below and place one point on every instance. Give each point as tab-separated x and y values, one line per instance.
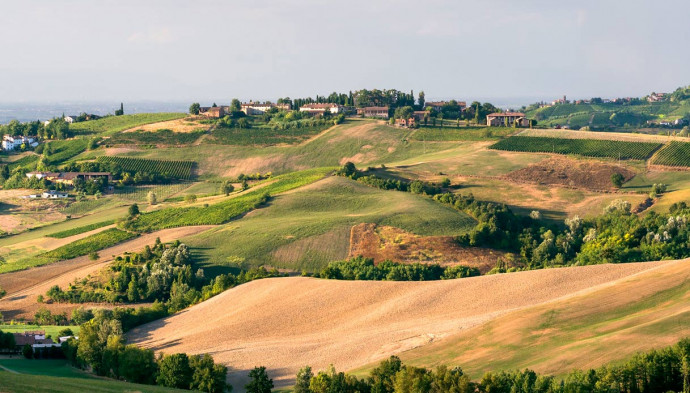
286	323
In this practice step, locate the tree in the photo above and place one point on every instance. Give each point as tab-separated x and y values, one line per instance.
174	371
617	180
27	351
94	256
194	108
412	380
121	111
43	316
421	100
65	332
191	198
2	293
303	379
259	381
235	105
381	378
137	365
133	210
151	198
207	376
226	187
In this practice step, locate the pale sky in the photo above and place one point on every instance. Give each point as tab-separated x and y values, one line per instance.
173	50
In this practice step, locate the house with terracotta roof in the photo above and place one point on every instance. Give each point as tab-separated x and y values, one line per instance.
214	111
374	111
69	177
507	119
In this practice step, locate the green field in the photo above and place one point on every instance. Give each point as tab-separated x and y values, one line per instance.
175	169
77	248
673	154
226	210
51	330
309	227
113	124
583	147
56	376
461	134
82	229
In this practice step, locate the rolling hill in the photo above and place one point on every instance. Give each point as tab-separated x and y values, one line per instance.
286	323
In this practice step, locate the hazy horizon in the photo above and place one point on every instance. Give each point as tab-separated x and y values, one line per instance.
175	51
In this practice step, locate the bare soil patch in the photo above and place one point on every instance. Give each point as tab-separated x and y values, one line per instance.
188	124
587	174
388	243
353	323
24	286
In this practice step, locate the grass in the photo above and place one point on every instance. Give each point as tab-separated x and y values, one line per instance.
309	227
71	380
583	147
51	330
461	134
364	142
95	242
228	209
113	124
578	332
82	229
62	151
81	247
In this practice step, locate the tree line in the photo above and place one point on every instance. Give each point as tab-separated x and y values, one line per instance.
361	268
415	186
657	371
57	128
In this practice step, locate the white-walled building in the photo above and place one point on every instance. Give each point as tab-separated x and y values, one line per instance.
13	142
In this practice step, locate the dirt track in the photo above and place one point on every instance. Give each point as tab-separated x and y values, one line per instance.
286	323
24	286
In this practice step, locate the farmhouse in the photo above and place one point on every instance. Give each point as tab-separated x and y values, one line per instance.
374	111
257	108
69	177
656	97
12	142
214	111
416	119
507	119
316	109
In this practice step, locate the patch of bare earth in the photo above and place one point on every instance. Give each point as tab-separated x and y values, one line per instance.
188	124
574	173
388	243
23	287
286	323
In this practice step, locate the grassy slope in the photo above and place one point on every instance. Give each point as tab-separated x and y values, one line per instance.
642	312
363	142
309	227
56	376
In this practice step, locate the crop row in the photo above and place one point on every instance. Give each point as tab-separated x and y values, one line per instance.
176	169
583	147
674	154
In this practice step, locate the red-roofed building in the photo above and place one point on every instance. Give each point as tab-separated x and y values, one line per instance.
507	119
374	111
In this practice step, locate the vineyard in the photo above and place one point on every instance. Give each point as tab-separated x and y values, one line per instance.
583	147
674	154
175	169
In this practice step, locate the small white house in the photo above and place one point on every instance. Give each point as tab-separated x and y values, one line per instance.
52	194
70	119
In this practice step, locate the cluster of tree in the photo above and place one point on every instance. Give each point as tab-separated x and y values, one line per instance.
657	371
613	237
102	348
45	317
6	341
16	178
57	128
121	111
415	186
163	273
361	268
235	122
333	98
